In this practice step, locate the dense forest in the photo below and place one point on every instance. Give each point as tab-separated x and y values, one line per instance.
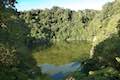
22	32
58	24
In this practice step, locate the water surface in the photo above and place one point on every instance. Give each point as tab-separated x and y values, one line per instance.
62	58
63	53
59	72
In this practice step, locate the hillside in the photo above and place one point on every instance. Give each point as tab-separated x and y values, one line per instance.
105	24
29	38
59	24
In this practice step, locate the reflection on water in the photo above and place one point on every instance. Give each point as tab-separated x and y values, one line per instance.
58	72
62	53
62	58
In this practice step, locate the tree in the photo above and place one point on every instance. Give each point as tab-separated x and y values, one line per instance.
7	9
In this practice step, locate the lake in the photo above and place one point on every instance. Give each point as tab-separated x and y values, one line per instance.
59	72
62	58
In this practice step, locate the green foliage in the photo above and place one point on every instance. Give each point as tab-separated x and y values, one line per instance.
104	65
8	56
105	30
7	9
9	3
50	25
107	51
105	23
16	61
58	24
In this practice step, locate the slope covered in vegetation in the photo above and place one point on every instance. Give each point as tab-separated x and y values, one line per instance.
59	24
21	33
16	61
106	22
105	61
